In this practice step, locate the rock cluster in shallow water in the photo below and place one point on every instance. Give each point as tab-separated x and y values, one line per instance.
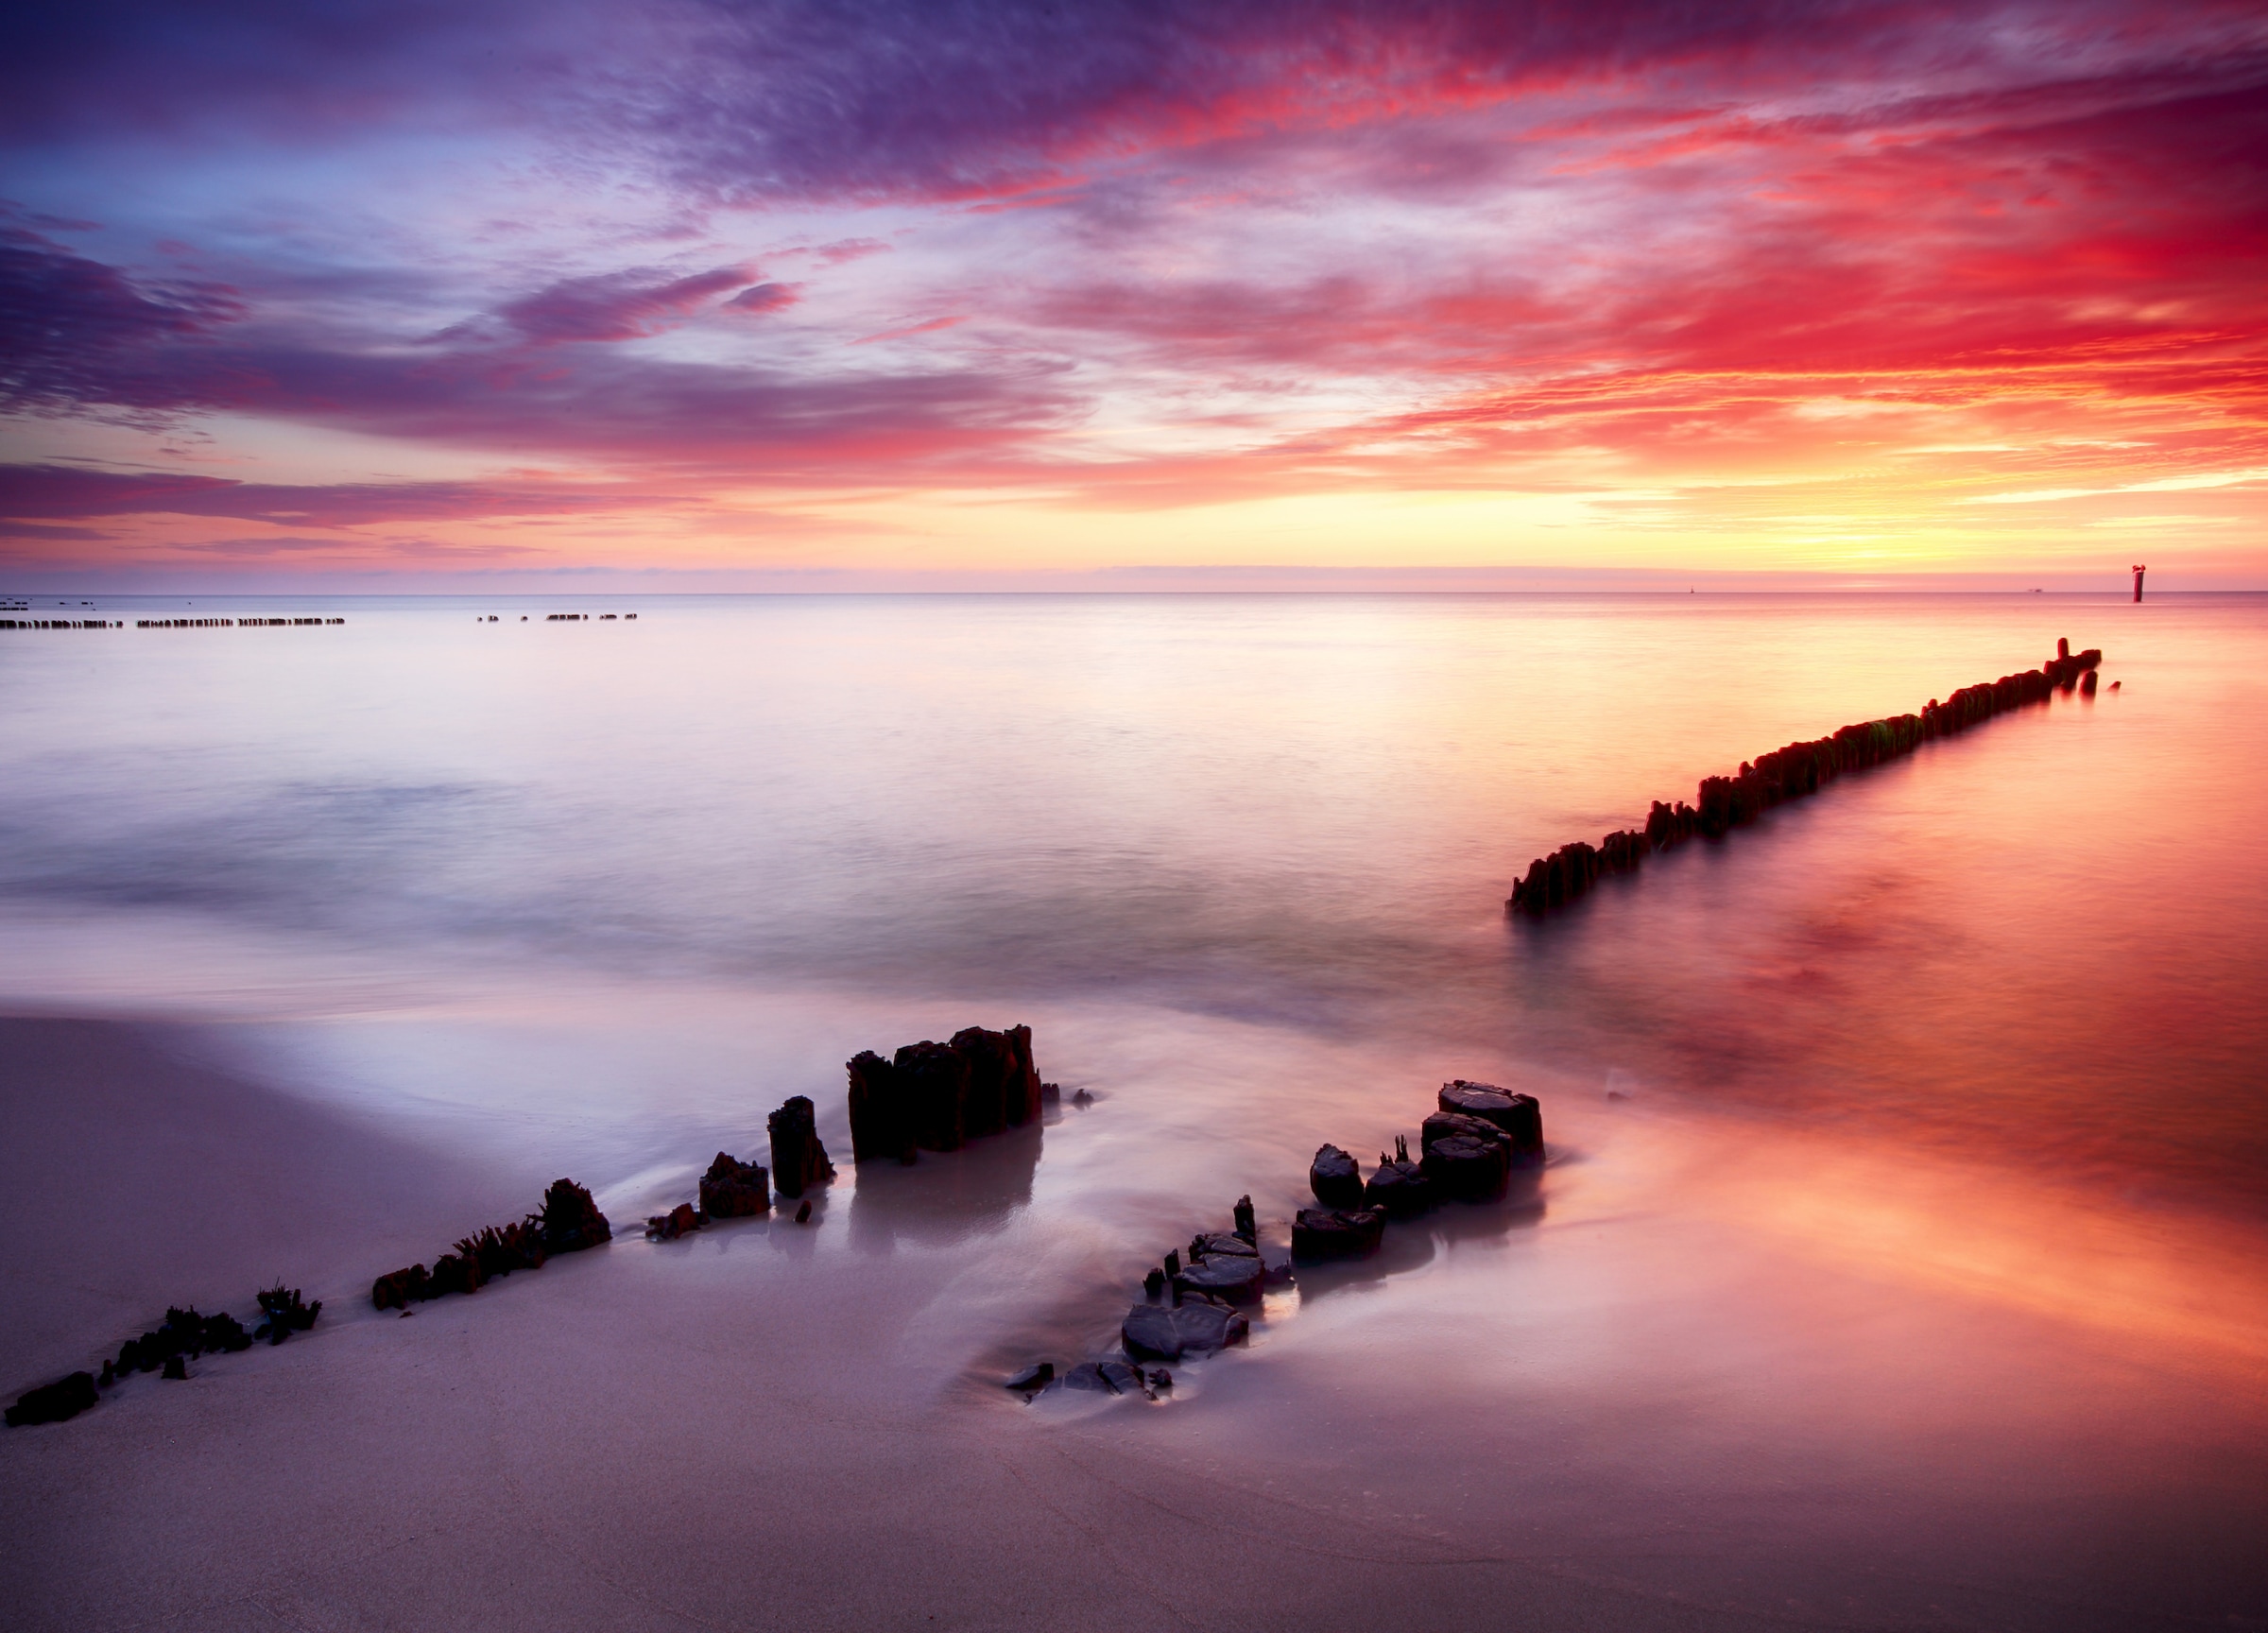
1197	1301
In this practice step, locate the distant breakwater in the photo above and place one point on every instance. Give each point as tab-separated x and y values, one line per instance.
164	623
1724	803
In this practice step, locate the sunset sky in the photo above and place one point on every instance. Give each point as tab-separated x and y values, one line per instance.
868	293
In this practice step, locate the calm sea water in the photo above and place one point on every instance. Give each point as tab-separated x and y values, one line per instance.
1910	1184
2042	945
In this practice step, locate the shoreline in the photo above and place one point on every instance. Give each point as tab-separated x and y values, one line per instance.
1652	1420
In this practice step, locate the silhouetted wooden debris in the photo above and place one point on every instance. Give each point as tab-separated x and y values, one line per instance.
166	1349
66	1397
1398	1185
936	1096
568	1222
735	1189
1723	803
799	1161
283	1312
182	1332
682	1220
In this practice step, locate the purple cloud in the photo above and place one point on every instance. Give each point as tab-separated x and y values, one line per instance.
61	491
73	331
763	298
615	305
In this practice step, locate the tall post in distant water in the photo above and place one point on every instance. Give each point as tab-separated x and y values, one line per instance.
2137	581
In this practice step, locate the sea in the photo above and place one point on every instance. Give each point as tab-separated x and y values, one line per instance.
1908	1191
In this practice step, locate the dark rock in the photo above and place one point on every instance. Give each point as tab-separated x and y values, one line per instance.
803	1215
1247	1224
107	1378
570	1221
1039	1375
1082	1098
1336	1179
1173	1263
283	1312
175	1368
1319	1234
1122	1378
1236	1277
401	1288
735	1189
1050	1093
799	1161
680	1221
1154	1284
54	1403
1160	1378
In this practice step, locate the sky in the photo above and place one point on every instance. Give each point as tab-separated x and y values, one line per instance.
1144	294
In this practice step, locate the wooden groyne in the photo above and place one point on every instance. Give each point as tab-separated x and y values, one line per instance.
166	623
167	1349
937	1098
1205	1296
1724	803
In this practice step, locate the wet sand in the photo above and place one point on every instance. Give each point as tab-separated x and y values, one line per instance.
1684	1403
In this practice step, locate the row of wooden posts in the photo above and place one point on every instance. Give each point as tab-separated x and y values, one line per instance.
1723	803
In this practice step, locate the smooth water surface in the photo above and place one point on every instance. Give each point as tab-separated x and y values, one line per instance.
1905	1145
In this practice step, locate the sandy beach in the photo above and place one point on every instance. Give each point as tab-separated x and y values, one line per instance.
771	1425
